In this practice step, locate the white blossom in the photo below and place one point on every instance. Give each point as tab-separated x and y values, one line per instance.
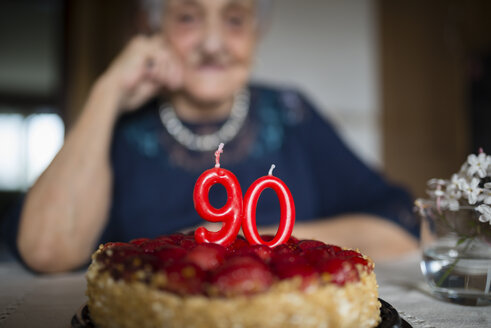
463	168
485	211
471	190
485	197
463	188
478	164
450	200
436	193
434	183
486	194
454	182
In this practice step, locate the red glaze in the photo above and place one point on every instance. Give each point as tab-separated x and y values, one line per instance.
359	260
287	208
169	253
340	271
353	257
280	262
238	243
347	253
184	278
241	275
114	254
143	262
230	214
301	269
188	243
308	243
292	240
138	241
166	240
115	244
125	267
286	249
122	250
240	268
261	251
175	237
333	249
152	245
207	256
314	255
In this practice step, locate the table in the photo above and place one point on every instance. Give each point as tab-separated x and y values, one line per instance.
401	284
29	300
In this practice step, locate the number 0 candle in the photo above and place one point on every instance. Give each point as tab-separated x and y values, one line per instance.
230	214
286	205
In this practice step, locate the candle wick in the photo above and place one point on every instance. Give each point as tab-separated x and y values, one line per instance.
217	155
271	169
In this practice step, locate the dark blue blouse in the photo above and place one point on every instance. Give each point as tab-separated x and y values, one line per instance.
154	176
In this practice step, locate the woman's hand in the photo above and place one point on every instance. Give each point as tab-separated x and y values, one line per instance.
144	68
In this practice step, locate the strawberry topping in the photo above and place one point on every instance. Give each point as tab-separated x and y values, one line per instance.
308	243
239	269
152	245
188	243
241	275
348	253
338	271
292	240
168	254
354	257
333	249
184	278
301	269
207	256
286	249
237	244
261	251
115	244
139	241
117	253
314	255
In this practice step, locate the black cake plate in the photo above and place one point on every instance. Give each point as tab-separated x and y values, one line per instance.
390	318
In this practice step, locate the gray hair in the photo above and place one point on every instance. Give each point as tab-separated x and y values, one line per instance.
153	10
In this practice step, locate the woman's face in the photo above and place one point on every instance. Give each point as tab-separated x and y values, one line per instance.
215	42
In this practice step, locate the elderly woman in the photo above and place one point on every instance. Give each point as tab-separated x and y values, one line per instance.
149	128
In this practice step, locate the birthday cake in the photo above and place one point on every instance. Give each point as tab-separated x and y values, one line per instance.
173	281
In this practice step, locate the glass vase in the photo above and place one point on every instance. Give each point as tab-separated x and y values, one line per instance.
456	260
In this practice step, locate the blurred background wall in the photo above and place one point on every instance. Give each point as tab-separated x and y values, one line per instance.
406	82
329	49
435	86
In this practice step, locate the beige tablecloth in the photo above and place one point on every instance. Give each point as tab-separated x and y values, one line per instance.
27	300
401	284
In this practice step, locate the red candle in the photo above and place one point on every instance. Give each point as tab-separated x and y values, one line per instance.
286	205
230	214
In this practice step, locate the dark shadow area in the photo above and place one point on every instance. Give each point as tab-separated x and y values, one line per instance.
480	102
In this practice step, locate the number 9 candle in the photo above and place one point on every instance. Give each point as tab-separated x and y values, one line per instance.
230	214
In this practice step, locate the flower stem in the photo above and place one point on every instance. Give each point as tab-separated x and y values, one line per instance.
452	266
